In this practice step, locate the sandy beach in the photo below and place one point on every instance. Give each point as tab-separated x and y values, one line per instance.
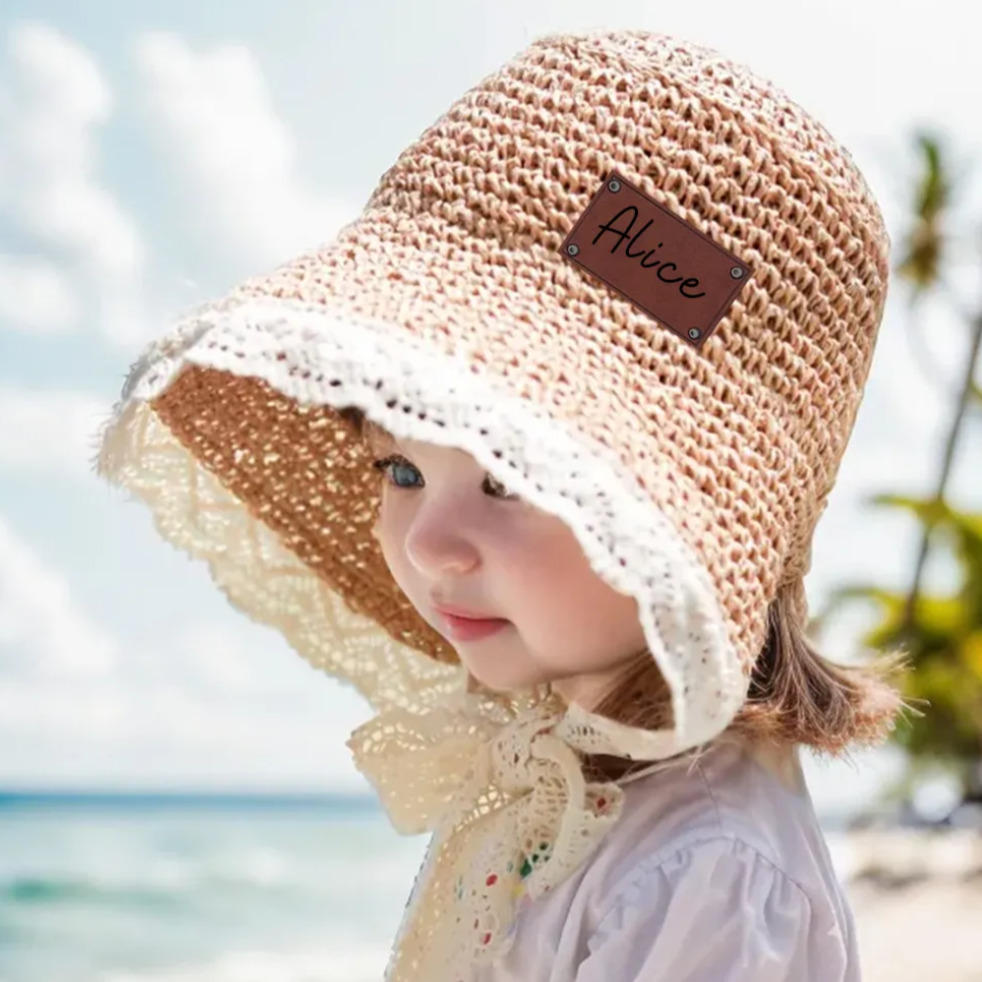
917	897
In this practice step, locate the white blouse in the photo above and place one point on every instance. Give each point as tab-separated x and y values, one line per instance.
717	871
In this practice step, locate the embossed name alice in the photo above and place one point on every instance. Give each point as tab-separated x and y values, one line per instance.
641	250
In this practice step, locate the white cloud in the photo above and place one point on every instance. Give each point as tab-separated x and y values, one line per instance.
224	657
56	100
212	655
259	721
210	701
41	623
69	712
37	296
215	114
49	431
130	734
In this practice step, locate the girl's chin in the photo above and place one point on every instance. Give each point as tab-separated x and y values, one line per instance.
504	682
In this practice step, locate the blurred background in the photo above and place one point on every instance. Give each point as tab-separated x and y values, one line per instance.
176	801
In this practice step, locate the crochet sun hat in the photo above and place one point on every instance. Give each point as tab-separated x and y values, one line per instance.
641	287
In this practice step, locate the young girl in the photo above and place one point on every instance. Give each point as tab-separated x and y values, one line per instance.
532	456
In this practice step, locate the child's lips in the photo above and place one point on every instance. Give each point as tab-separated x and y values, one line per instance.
454	610
470	628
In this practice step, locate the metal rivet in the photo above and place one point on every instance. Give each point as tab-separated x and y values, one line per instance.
572	248
737	273
695	333
614	185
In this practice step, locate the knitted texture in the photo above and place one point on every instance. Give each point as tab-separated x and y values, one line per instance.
692	479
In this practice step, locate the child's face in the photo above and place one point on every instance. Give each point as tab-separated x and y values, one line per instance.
450	534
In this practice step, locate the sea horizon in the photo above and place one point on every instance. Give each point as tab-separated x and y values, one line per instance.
151	795
330	804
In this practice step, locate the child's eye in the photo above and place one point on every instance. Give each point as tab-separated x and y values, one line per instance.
391	464
386	465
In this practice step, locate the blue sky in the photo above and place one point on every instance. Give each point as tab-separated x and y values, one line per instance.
152	155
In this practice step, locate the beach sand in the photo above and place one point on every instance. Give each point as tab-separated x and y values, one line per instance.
917	898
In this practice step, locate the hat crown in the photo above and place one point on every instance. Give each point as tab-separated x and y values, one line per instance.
527	145
518	157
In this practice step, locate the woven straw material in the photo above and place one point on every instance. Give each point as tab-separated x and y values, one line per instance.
693	479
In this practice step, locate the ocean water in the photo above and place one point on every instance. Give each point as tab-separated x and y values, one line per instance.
96	889
149	889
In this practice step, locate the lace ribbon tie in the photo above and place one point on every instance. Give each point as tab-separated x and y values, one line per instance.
510	811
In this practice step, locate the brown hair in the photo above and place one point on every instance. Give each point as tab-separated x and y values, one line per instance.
796	695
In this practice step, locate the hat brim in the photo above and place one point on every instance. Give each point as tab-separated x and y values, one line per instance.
261	374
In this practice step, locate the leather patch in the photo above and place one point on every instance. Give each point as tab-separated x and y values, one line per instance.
646	253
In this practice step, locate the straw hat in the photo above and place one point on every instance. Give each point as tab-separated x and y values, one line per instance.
502	293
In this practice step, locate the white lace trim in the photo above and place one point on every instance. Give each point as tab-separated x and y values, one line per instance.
627	541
